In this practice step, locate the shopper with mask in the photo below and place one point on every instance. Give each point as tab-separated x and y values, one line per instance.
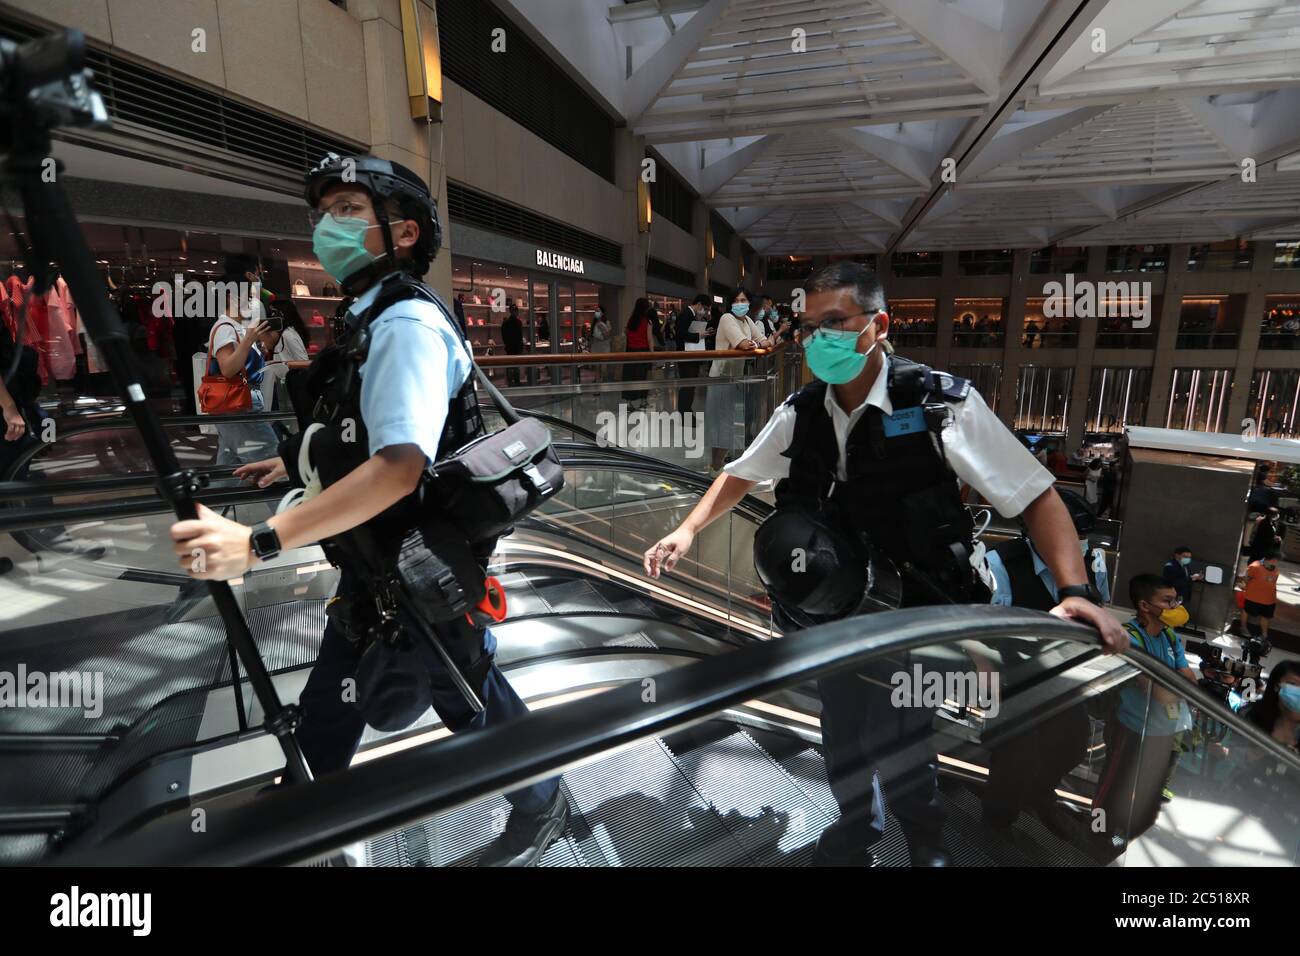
879	444
1277	712
1176	573
395	394
1140	734
723	430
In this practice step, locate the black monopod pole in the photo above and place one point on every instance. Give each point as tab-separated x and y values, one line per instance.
56	238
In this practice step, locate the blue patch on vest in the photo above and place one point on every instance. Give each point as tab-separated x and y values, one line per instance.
904	421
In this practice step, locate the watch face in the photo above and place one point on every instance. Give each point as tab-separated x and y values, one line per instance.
265	542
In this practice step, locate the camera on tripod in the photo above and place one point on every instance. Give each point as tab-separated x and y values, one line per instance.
44	83
1222	675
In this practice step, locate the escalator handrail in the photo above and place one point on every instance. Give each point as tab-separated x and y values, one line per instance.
11	489
302	823
29	519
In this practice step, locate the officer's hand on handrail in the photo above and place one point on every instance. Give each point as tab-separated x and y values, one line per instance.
264	473
664	554
1113	636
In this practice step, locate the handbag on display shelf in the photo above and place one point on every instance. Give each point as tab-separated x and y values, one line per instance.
219	395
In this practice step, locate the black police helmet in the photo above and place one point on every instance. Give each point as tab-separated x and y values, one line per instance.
813	571
393	688
385	181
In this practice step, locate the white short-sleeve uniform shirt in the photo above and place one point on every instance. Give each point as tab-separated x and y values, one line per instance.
981	451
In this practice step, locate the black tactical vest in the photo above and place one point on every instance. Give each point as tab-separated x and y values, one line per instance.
330	393
900	490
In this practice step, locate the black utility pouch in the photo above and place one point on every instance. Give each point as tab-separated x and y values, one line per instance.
438	575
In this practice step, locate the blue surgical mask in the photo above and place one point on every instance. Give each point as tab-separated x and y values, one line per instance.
1289	695
340	247
1184	561
740	309
833	356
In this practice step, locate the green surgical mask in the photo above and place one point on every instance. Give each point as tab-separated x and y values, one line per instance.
834	357
339	244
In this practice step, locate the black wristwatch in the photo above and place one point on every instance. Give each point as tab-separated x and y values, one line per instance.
1088	592
264	541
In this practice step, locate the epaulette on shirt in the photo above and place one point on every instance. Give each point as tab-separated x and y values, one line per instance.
953	388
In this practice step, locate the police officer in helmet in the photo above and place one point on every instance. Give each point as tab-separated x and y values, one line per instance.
880	444
395	395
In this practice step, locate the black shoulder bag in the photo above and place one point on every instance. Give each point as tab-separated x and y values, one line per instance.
489	484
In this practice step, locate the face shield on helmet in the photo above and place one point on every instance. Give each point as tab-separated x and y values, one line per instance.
816	573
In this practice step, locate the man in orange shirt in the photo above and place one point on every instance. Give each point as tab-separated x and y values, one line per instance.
1261	593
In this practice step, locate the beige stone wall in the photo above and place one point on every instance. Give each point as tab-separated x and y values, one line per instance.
305	59
343	71
673	244
493	153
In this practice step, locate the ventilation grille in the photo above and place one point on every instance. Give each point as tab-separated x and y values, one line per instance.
161	102
670	197
662	270
523	83
470	206
722	234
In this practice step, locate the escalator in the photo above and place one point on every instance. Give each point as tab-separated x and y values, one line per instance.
689	776
169	727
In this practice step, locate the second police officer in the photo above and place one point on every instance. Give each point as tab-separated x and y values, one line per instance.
395	396
878	444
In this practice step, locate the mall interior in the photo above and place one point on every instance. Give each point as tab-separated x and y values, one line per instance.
1077	645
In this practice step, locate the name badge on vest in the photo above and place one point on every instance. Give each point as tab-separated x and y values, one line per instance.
904	421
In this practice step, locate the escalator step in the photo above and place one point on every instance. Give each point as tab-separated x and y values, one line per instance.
566	597
456	838
758	802
1026	843
635	808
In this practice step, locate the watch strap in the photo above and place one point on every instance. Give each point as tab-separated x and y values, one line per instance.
1087	591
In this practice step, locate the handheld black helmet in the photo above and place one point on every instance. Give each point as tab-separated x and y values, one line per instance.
386	181
815	572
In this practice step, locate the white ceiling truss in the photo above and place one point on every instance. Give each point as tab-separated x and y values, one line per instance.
829	125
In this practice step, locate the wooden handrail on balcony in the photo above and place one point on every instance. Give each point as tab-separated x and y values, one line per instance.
590	358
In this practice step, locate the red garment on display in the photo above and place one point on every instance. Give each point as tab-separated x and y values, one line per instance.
36	329
62	352
158	328
70	314
6	309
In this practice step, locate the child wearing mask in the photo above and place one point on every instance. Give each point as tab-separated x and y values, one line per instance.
1140	734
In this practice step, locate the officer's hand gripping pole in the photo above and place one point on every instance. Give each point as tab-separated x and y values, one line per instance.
44	85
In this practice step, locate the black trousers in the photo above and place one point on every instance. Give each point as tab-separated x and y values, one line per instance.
332	726
686	393
861	731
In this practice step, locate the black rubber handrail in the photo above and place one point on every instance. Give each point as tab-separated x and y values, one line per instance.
11	489
306	822
33	519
